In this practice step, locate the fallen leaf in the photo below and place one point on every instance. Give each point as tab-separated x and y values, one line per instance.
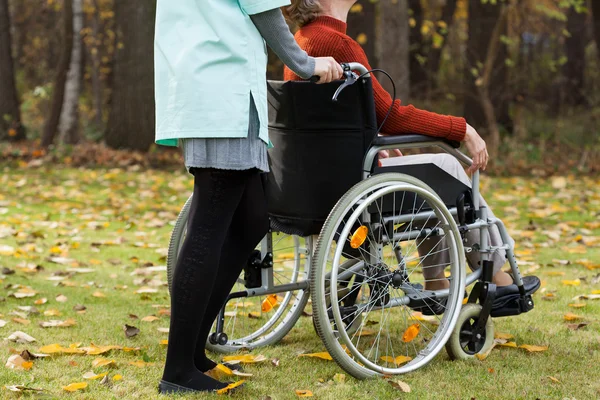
304	393
507	344
130	331
146	289
577	305
79	307
98	294
230	387
572	317
52	312
2	323
163	330
17	362
140	364
57	323
339	378
28	356
150	318
117	377
411	333
103	362
21	337
254	314
533	348
21	388
399	360
269	303
93	376
275	362
94	350
507	336
402	386
57	348
61	298
323	355
575	327
73	387
575	282
21	321
244	359
366	332
41	301
553	379
164	342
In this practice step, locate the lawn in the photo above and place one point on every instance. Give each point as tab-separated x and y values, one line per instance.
84	246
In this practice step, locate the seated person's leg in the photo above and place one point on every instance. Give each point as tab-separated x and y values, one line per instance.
433	261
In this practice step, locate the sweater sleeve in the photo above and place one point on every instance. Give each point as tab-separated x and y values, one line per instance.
276	33
402	119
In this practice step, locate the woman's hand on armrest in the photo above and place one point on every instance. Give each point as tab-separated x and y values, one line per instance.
477	148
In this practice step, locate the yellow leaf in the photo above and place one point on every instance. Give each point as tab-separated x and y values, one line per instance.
572	317
553	379
304	393
117	377
555	273
230	387
52	312
507	336
398	360
164	342
244	359
366	332
576	282
253	314
98	294
532	348
411	333
149	318
269	303
91	375
140	364
323	355
577	305
94	350
102	362
40	301
73	387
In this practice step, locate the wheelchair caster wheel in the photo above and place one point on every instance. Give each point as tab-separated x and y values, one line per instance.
218	338
462	344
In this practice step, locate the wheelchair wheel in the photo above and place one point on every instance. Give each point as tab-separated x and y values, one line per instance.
462	344
255	320
369	250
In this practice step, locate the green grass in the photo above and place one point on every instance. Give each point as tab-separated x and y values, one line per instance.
67	210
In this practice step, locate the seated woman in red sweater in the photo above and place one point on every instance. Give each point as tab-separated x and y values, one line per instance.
323	33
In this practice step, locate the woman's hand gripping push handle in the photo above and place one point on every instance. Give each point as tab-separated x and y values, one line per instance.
326	70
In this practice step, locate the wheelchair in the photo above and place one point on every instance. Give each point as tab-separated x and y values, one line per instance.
349	234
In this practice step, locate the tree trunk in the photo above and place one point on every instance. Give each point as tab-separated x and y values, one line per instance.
436	52
418	48
363	23
574	69
10	113
596	16
69	119
131	121
482	21
392	46
60	79
95	57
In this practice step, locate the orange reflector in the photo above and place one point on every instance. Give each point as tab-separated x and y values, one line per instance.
269	303
359	237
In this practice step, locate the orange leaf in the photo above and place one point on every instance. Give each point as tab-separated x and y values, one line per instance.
411	333
230	387
532	348
572	317
304	393
577	305
269	303
398	360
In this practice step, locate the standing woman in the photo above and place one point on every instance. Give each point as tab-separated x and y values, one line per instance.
210	66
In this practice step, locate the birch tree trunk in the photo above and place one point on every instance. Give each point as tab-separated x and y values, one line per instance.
69	119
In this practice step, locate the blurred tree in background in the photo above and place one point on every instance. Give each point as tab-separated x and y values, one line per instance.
82	70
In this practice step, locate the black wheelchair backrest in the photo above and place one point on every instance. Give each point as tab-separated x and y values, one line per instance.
318	150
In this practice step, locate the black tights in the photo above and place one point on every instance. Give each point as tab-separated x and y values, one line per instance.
227	219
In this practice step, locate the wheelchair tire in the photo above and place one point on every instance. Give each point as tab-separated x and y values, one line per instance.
459	347
370	357
266	329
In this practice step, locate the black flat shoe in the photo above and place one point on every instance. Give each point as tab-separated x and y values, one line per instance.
507	297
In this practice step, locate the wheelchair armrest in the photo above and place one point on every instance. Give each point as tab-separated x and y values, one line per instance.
411	138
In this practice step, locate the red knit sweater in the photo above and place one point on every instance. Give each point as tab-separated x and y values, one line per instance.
326	36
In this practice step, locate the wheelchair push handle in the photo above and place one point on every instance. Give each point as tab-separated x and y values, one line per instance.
348	68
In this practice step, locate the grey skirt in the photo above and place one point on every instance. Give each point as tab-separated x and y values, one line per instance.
228	153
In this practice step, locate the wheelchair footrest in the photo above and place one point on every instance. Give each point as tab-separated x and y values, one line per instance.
513	305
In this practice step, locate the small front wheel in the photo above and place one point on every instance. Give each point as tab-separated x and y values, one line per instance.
463	344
